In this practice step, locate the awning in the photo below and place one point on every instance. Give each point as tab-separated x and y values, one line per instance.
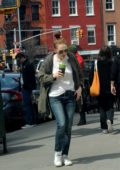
88	52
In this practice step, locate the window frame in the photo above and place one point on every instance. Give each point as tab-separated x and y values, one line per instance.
74	37
113	35
71	8
92	7
58	7
92	29
109	9
35	15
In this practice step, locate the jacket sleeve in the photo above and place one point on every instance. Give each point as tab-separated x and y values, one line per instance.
45	78
114	71
91	74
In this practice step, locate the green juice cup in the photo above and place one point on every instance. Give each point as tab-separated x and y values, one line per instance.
62	67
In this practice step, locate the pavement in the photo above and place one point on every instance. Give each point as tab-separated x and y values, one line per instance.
33	148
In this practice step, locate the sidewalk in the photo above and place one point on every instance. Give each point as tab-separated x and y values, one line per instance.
32	149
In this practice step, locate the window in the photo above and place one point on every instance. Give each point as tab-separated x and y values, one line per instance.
89	7
8	17
56	7
74	38
109	5
9	40
35	12
91	35
73	7
111	34
22	12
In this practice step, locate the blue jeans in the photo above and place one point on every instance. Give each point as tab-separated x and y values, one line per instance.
27	107
63	108
106	115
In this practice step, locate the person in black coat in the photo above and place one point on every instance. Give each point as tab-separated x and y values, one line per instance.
105	98
29	84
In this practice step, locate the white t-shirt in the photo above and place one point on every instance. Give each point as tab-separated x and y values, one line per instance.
64	83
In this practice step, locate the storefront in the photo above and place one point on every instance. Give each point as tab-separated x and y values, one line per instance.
89	54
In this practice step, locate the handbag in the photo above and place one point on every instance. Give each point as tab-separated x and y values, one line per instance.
95	87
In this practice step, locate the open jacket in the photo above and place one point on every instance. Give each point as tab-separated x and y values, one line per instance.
104	72
46	79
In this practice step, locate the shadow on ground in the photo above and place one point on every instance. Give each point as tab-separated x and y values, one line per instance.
90	159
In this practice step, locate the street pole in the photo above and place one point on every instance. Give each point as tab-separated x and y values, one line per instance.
15	46
19	27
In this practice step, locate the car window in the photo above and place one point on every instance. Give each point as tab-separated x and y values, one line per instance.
9	81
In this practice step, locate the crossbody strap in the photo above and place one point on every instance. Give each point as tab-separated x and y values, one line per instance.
95	67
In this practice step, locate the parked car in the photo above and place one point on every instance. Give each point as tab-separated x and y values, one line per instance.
12	100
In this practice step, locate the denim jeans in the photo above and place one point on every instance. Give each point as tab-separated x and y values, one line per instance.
63	108
27	107
106	109
106	115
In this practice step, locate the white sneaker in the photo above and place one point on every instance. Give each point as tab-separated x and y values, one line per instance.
105	131
66	160
27	126
58	159
110	129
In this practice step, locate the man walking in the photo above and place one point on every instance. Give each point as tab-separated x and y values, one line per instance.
29	84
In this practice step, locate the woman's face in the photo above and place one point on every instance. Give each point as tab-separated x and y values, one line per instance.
61	50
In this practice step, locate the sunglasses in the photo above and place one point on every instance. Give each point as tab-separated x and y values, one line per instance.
63	51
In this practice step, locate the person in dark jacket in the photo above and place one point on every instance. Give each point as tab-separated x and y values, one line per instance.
115	76
61	90
115	79
105	98
81	104
29	84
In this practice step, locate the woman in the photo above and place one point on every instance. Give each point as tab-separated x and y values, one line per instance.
62	89
105	98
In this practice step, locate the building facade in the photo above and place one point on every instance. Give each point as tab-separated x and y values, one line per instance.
111	24
98	20
32	22
69	15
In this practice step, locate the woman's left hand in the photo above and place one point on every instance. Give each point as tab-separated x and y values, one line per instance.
78	93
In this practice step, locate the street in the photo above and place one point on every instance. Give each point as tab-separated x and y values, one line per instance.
33	148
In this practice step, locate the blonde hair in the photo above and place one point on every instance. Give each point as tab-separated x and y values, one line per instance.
59	41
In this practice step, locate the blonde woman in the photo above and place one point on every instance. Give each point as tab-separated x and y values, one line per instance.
60	90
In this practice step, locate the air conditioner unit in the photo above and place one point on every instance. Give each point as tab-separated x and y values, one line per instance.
76	42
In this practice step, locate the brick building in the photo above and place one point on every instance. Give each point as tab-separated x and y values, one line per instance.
111	24
72	14
99	21
32	22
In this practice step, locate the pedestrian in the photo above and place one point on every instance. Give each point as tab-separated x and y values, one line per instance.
29	84
63	88
105	99
81	104
115	78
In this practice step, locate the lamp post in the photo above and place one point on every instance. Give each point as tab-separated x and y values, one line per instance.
19	27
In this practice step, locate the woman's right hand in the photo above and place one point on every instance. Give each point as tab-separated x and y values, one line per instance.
113	89
58	74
